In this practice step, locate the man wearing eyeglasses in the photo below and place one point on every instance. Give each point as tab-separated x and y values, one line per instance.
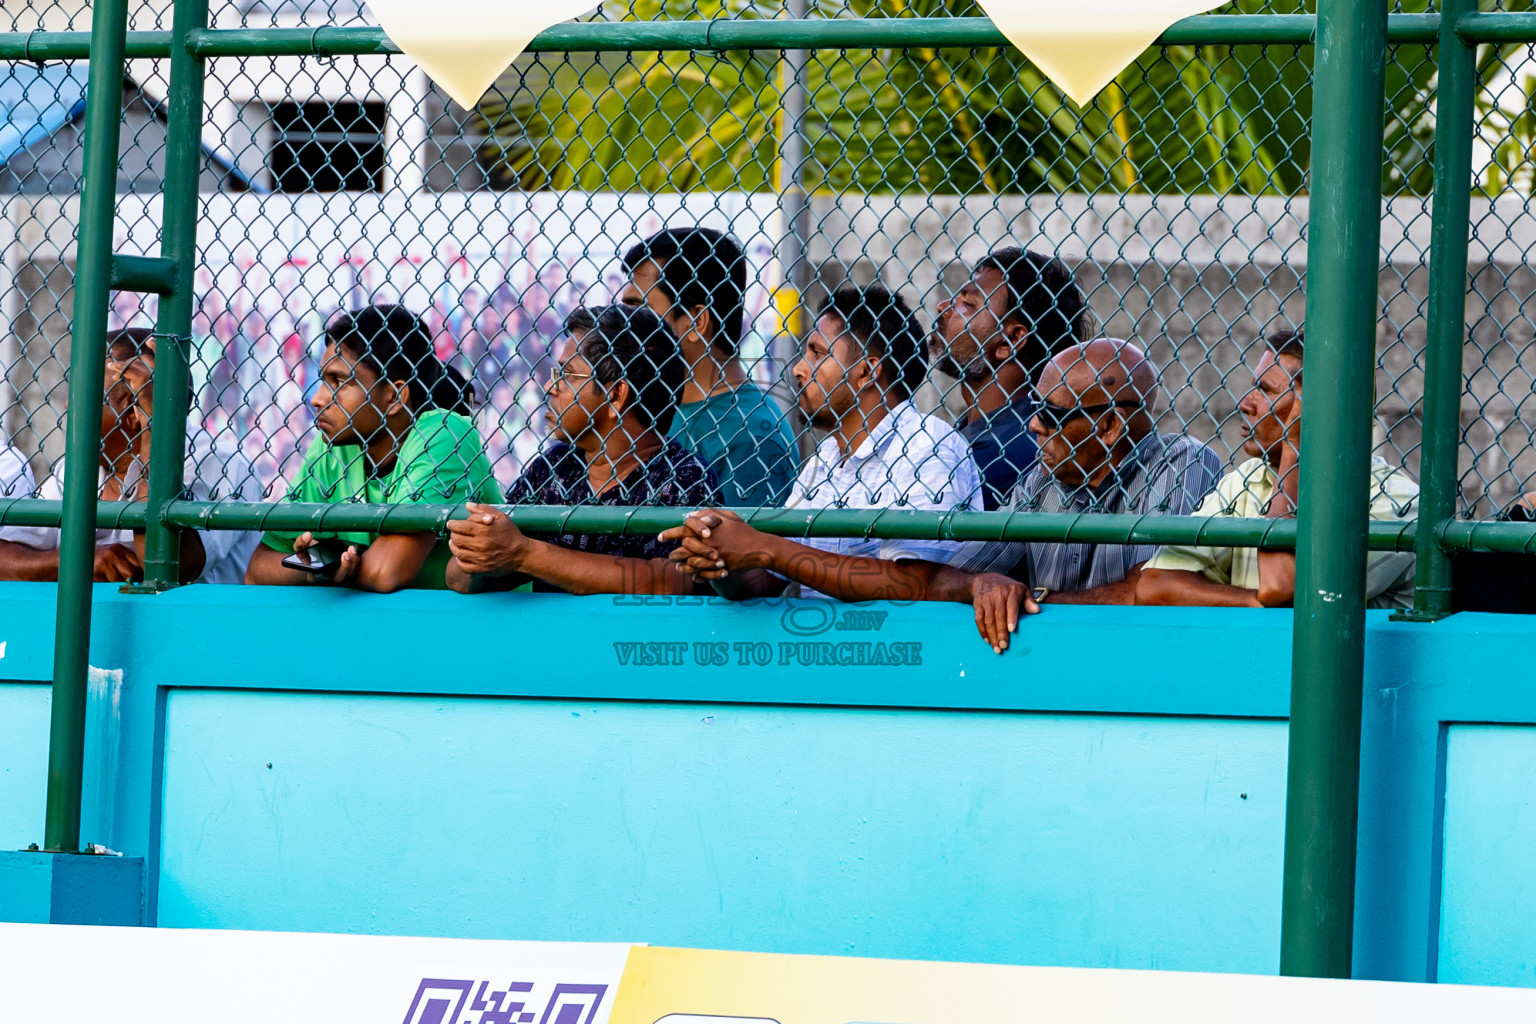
1099	452
616	383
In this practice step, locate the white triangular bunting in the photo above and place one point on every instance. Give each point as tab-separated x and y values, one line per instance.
1081	45
463	45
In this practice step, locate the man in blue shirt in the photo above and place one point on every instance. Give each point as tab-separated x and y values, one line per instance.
1018	309
695	279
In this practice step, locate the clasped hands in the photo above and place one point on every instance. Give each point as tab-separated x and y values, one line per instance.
713	543
487	542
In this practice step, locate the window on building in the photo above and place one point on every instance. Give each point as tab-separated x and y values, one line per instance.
328	147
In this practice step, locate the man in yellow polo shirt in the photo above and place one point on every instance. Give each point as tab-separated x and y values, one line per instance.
1266	486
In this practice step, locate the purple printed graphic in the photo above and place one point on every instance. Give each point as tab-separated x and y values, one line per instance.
443	1001
502	1007
568	1003
434	1004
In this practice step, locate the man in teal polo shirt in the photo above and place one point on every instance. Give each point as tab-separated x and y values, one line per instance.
394	428
695	279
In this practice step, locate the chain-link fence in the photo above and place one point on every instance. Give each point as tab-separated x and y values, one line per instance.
1178	198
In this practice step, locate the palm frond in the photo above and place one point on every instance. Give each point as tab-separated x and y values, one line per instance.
1181	119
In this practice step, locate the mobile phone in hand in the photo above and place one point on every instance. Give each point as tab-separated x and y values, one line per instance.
312	562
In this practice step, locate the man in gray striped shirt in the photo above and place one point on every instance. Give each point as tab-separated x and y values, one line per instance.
1099	452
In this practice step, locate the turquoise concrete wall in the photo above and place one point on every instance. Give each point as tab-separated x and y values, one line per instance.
23	762
1108	793
1106	841
1488	917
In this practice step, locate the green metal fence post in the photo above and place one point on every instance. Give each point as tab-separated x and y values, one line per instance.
77	536
178	243
1328	649
1456	93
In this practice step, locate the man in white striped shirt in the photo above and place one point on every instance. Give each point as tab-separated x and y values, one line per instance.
856	378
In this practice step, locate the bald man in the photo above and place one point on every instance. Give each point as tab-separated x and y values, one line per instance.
1099	452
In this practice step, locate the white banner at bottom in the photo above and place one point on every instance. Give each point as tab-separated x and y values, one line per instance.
133	975
169	976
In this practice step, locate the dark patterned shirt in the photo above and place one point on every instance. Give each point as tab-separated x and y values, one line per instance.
674	476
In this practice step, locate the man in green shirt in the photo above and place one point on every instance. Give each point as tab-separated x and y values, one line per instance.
394	427
695	279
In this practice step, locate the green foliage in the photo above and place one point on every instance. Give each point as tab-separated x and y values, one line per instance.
1182	119
1508	119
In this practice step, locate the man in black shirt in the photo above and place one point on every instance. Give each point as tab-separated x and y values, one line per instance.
617	381
1497	581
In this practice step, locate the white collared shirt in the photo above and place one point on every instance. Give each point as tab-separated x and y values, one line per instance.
15	474
212	473
910	460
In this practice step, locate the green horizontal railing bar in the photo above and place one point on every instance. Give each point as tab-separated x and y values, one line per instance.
149	274
1497	27
1460	535
1412	28
735	34
44	46
110	515
1032	526
754	34
1087	528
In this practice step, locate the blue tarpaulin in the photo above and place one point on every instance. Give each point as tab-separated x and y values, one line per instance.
36	101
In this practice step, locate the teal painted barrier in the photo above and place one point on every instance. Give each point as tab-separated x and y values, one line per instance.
1006	837
1488	916
1107	793
23	761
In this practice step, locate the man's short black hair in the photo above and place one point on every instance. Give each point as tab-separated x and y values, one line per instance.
1044	297
128	343
579	321
1287	342
634	345
397	345
700	267
881	321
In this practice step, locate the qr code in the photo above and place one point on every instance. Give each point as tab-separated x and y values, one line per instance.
453	1001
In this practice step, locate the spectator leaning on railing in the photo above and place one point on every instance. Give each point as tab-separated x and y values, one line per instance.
1266	486
394	428
212	472
617	381
1017	309
860	366
695	279
1099	452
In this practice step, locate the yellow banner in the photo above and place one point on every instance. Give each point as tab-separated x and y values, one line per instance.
697	986
464	45
1081	45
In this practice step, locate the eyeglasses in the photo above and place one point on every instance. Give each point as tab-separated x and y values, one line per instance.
560	375
1054	417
